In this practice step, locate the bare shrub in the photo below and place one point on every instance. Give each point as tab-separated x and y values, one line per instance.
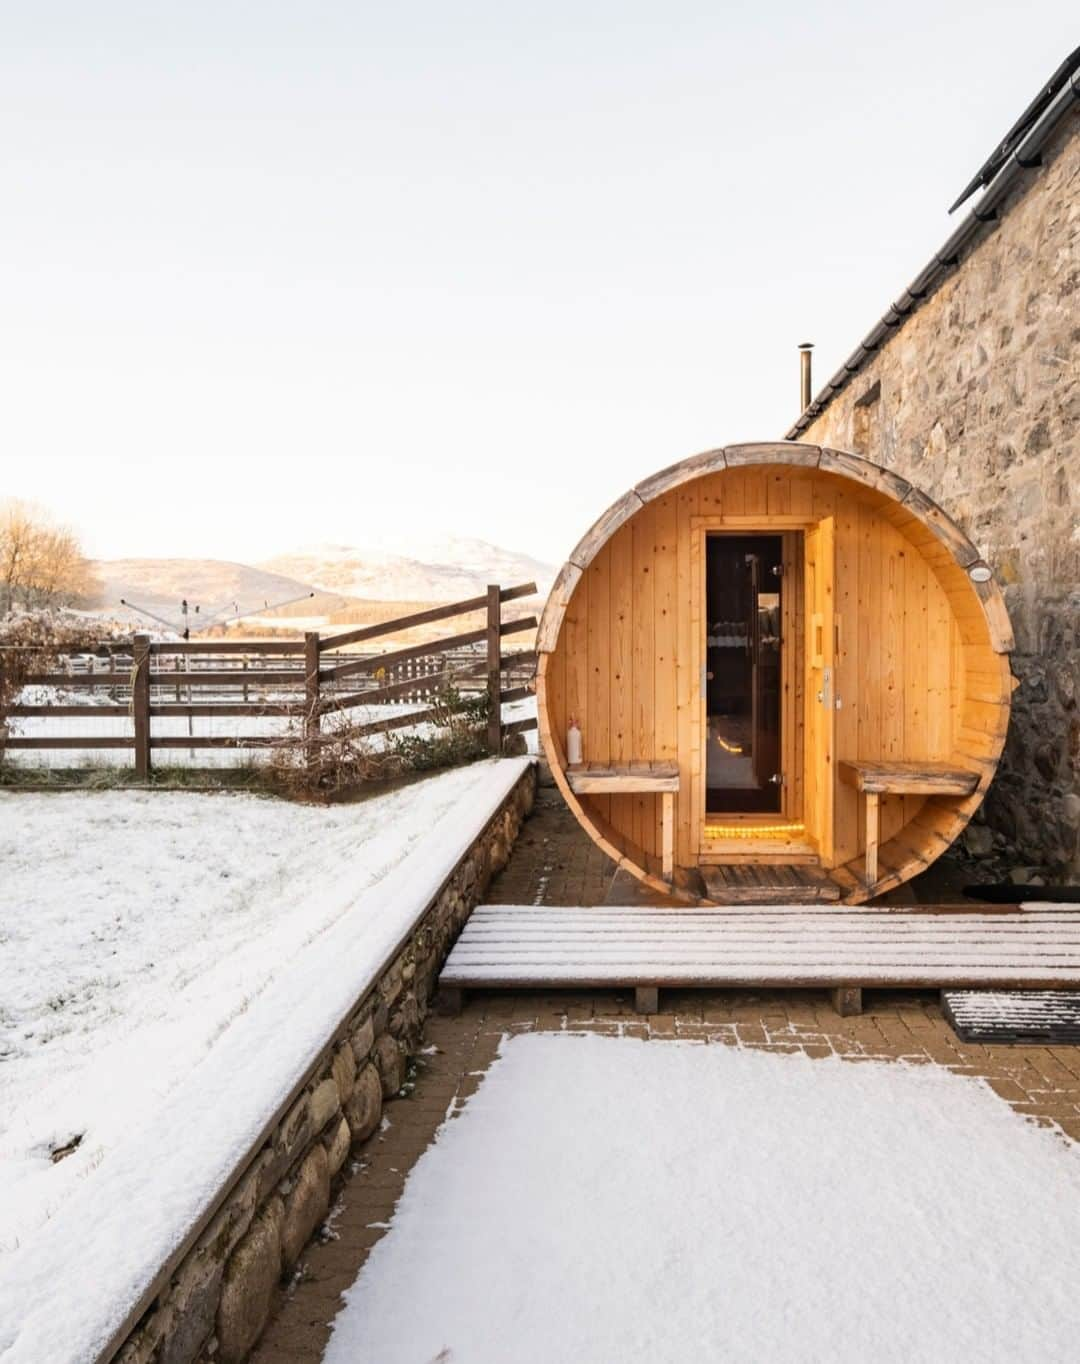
460	736
342	753
32	642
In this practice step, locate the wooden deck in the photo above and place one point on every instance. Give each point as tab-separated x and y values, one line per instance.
844	949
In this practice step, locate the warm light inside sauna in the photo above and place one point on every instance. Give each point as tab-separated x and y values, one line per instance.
728	748
753	830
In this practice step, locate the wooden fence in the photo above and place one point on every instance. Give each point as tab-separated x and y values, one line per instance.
291	680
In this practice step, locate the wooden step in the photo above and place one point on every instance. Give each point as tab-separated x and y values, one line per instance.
769	885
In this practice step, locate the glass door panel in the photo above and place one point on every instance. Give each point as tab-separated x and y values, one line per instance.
742	673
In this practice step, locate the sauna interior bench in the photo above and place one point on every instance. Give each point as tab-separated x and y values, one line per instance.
612	779
875	779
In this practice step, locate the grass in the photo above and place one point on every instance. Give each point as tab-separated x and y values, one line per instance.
103	777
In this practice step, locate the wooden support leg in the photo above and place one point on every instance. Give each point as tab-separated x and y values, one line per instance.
667	824
647	999
873	828
451	999
847	1000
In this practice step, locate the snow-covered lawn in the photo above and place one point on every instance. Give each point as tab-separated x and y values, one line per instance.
606	1199
137	931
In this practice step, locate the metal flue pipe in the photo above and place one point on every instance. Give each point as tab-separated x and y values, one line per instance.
806	390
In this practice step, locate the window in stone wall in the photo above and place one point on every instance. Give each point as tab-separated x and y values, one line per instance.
866	421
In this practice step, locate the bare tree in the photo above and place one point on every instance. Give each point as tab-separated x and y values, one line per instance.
42	564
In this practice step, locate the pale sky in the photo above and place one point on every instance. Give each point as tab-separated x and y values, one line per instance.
276	274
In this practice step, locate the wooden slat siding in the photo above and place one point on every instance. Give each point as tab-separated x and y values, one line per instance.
601	531
621	557
574	643
796	594
675	475
689	634
939	663
559	599
389	660
666	626
457	608
643	687
870	609
848	677
921	601
546	703
999	626
913	671
597	738
771	452
779	493
551	686
734	493
802	495
755	494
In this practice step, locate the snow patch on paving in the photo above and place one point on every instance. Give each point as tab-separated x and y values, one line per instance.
612	1199
172	964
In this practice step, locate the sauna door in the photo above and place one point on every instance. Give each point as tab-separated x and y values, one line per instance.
819	747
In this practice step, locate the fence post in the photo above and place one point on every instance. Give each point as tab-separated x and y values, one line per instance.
312	718
494	672
140	704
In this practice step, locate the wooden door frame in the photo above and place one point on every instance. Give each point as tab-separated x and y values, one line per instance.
791	530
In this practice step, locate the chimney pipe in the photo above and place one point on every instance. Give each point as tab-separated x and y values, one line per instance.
806	391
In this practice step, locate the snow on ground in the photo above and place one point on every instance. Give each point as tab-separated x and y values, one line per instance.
262	726
612	1199
167	956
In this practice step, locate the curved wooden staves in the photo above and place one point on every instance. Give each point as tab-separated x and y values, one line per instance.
978	607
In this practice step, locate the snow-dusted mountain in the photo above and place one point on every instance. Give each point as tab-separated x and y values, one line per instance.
218	587
450	569
349	583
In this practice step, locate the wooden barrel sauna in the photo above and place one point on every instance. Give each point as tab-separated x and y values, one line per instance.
788	671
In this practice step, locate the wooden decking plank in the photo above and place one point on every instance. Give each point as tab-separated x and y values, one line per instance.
1037	947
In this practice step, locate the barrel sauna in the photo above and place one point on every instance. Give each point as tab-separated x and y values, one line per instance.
788	672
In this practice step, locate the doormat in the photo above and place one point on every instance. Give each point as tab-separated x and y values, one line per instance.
1013	1015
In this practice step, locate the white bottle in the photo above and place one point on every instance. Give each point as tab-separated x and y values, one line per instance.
573	743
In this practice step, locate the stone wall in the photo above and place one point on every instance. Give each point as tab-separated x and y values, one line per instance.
219	1297
976	400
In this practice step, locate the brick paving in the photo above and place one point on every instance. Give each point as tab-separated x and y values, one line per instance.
554	863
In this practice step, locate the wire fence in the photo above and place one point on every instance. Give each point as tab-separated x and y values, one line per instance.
223	703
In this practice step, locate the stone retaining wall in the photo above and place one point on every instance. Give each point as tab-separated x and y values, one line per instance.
220	1295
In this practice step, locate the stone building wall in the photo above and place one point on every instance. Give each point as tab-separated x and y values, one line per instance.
976	400
218	1298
